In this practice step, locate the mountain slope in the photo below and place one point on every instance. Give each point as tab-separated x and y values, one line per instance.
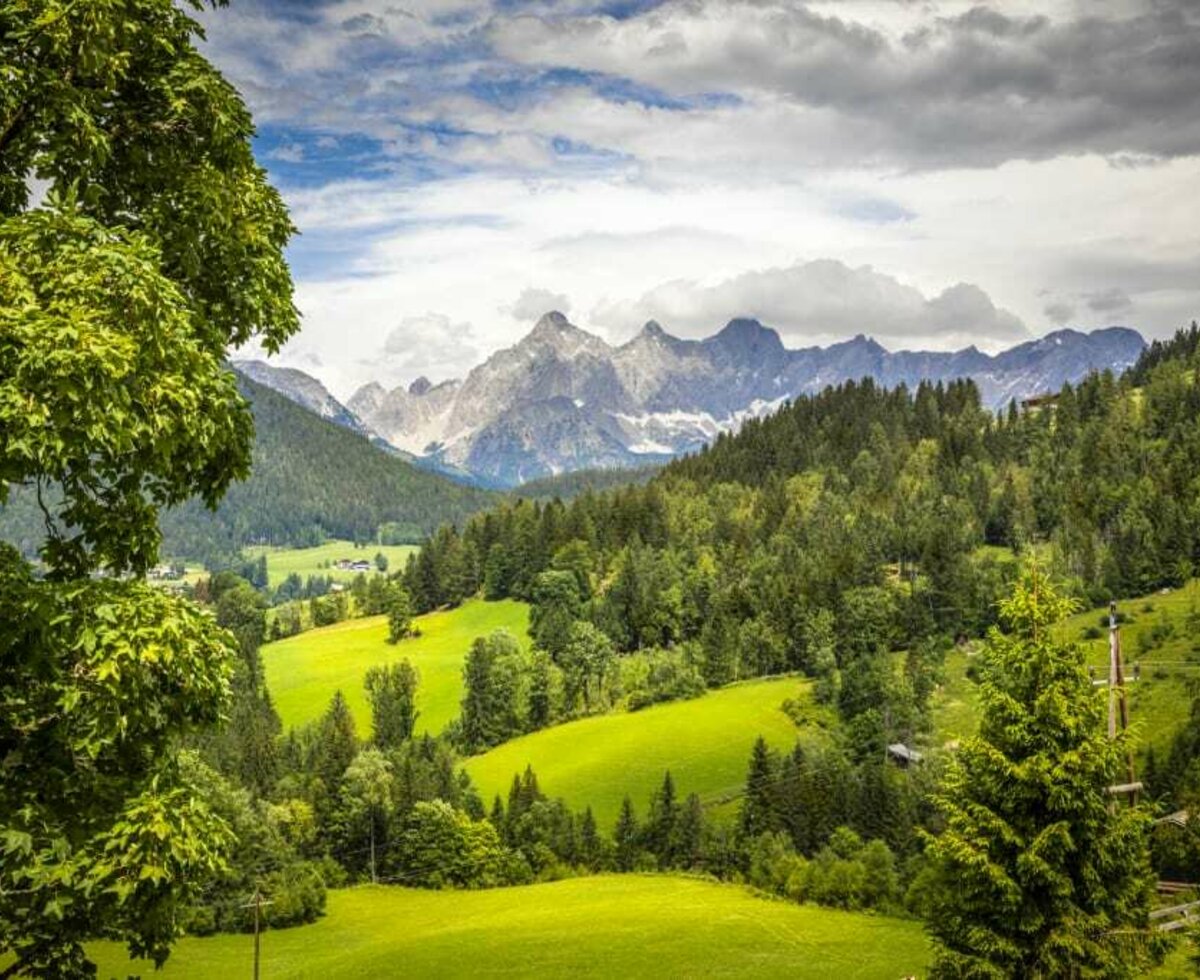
562	399
304	390
310	477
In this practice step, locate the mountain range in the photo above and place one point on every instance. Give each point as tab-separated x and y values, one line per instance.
563	399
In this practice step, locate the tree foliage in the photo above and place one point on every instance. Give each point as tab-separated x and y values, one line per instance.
1038	876
157	245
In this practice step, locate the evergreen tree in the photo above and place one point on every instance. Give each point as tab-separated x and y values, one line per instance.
659	832
759	813
1037	875
400	615
625	837
689	834
337	743
392	691
591	847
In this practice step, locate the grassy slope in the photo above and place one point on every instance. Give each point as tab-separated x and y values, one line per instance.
1159	702
705	743
607	926
281	562
304	671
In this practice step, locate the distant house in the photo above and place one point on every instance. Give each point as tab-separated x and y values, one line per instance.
352	565
903	756
1040	401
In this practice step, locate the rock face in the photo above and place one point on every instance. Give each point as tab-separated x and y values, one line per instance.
562	399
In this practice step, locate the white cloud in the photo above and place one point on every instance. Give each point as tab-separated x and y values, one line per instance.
430	345
866	132
532	303
823	300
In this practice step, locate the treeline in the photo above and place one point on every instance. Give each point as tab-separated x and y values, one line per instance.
566	486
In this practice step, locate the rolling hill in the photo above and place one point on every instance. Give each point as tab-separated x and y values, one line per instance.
705	743
611	926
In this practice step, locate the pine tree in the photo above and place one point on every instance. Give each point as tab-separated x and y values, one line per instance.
1037	876
689	834
392	691
625	837
659	832
400	614
337	742
759	812
591	847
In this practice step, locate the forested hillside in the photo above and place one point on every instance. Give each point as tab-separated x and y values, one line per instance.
852	523
310	479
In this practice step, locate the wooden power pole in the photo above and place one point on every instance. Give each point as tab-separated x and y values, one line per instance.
257	904
1118	701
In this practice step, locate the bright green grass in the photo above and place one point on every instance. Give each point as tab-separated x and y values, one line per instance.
1158	703
303	671
281	562
705	743
610	926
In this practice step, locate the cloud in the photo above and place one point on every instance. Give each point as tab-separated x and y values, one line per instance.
429	345
532	303
813	302
1060	313
287	153
973	89
1112	300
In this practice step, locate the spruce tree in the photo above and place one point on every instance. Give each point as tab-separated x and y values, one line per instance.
392	691
759	811
337	742
591	848
625	837
1039	872
400	614
689	834
660	824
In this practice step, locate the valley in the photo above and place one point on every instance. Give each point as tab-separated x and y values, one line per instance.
599	489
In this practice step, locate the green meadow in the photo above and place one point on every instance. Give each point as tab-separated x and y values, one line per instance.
608	926
705	743
282	562
1162	634
304	671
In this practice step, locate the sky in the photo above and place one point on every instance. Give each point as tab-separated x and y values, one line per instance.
931	173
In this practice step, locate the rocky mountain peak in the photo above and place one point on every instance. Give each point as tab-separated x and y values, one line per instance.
748	337
420	386
554	332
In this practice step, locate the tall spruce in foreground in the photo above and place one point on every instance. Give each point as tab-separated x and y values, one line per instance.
1036	876
157	246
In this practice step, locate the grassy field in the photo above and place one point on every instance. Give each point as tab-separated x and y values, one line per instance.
1162	635
303	671
615	926
594	762
281	562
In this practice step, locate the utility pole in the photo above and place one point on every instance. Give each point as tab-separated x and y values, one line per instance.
374	880
257	904
1118	698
